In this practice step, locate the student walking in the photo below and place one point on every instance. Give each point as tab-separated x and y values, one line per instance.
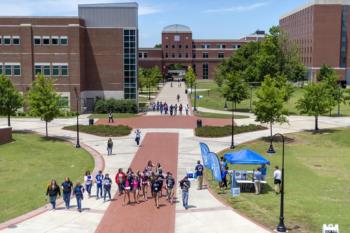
119	180
175	109
186	110
144	184
171	109
67	187
109	146
156	188
107	184
185	185
53	191
126	188
199	174
88	182
161	108
170	182
135	187
178	97
78	193
277	179
137	136
224	173
180	109
99	180
110	117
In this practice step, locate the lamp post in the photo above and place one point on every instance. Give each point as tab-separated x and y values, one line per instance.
232	127
271	150
77	145
195	97
281	227
251	97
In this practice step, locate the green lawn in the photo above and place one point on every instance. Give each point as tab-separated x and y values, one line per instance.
317	178
28	164
115	115
214	100
217	115
102	130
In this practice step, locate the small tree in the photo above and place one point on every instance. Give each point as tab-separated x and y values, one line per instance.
269	106
43	100
325	71
315	101
190	77
234	88
10	99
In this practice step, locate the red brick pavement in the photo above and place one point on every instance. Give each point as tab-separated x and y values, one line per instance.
179	122
145	217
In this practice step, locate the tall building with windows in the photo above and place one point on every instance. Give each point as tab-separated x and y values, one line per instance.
179	50
90	56
320	29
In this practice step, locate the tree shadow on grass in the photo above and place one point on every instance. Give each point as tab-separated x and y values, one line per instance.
322	131
277	139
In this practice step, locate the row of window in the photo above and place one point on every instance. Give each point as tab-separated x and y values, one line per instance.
10	69
204	55
51	69
50	40
205	46
10	40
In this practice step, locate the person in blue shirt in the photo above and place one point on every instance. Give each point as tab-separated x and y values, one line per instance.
199	174
107	183
99	179
263	171
223	163
257	181
78	193
224	173
67	186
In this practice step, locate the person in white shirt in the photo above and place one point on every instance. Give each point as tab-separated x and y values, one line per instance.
277	179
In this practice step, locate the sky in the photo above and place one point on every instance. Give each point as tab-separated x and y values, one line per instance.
208	19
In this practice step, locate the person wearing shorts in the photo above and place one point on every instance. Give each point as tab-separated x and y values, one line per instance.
156	187
144	179
170	182
127	189
135	188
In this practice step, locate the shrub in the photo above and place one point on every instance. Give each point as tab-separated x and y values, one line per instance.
102	130
222	131
114	105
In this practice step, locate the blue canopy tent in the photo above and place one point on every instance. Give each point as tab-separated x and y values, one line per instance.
245	156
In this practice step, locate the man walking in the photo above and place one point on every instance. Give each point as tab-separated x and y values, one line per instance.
109	146
185	185
99	179
110	117
199	173
277	179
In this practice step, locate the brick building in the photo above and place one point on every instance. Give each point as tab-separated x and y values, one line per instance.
92	55
320	29
179	48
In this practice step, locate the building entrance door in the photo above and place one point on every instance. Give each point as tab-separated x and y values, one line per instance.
90	105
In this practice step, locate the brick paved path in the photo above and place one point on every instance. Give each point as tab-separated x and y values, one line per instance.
145	217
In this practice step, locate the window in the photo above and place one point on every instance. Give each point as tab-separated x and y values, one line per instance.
186	55
37	40
166	46
64	40
54	40
7	40
173	46
205	55
205	71
0	40
193	55
186	46
193	46
46	40
166	54
37	69
0	69
180	46
16	40
8	70
64	70
63	102
140	55
47	70
17	70
221	55
55	70
145	55
205	46
177	38
173	55
180	55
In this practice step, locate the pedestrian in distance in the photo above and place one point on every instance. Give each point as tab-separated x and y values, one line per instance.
186	109
156	188
137	136
67	187
78	193
119	180
224	173
170	182
161	107
53	191
175	109
178	97
110	117
185	185
88	182
180	109
99	183
199	174
109	146
171	109
277	180
257	180
107	184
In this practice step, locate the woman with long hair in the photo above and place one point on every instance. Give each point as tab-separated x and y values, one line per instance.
53	191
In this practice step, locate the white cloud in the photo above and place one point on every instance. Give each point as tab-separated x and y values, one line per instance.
57	7
241	8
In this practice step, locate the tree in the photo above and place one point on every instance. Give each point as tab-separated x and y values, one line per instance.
43	100
140	78
157	46
315	101
10	99
235	89
269	106
190	77
325	71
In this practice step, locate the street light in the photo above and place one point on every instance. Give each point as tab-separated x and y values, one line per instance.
195	97
281	227
232	127
77	145
271	150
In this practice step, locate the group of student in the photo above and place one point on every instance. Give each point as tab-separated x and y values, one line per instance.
103	188
173	110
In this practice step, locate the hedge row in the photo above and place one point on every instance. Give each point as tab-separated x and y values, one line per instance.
102	130
114	105
218	131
